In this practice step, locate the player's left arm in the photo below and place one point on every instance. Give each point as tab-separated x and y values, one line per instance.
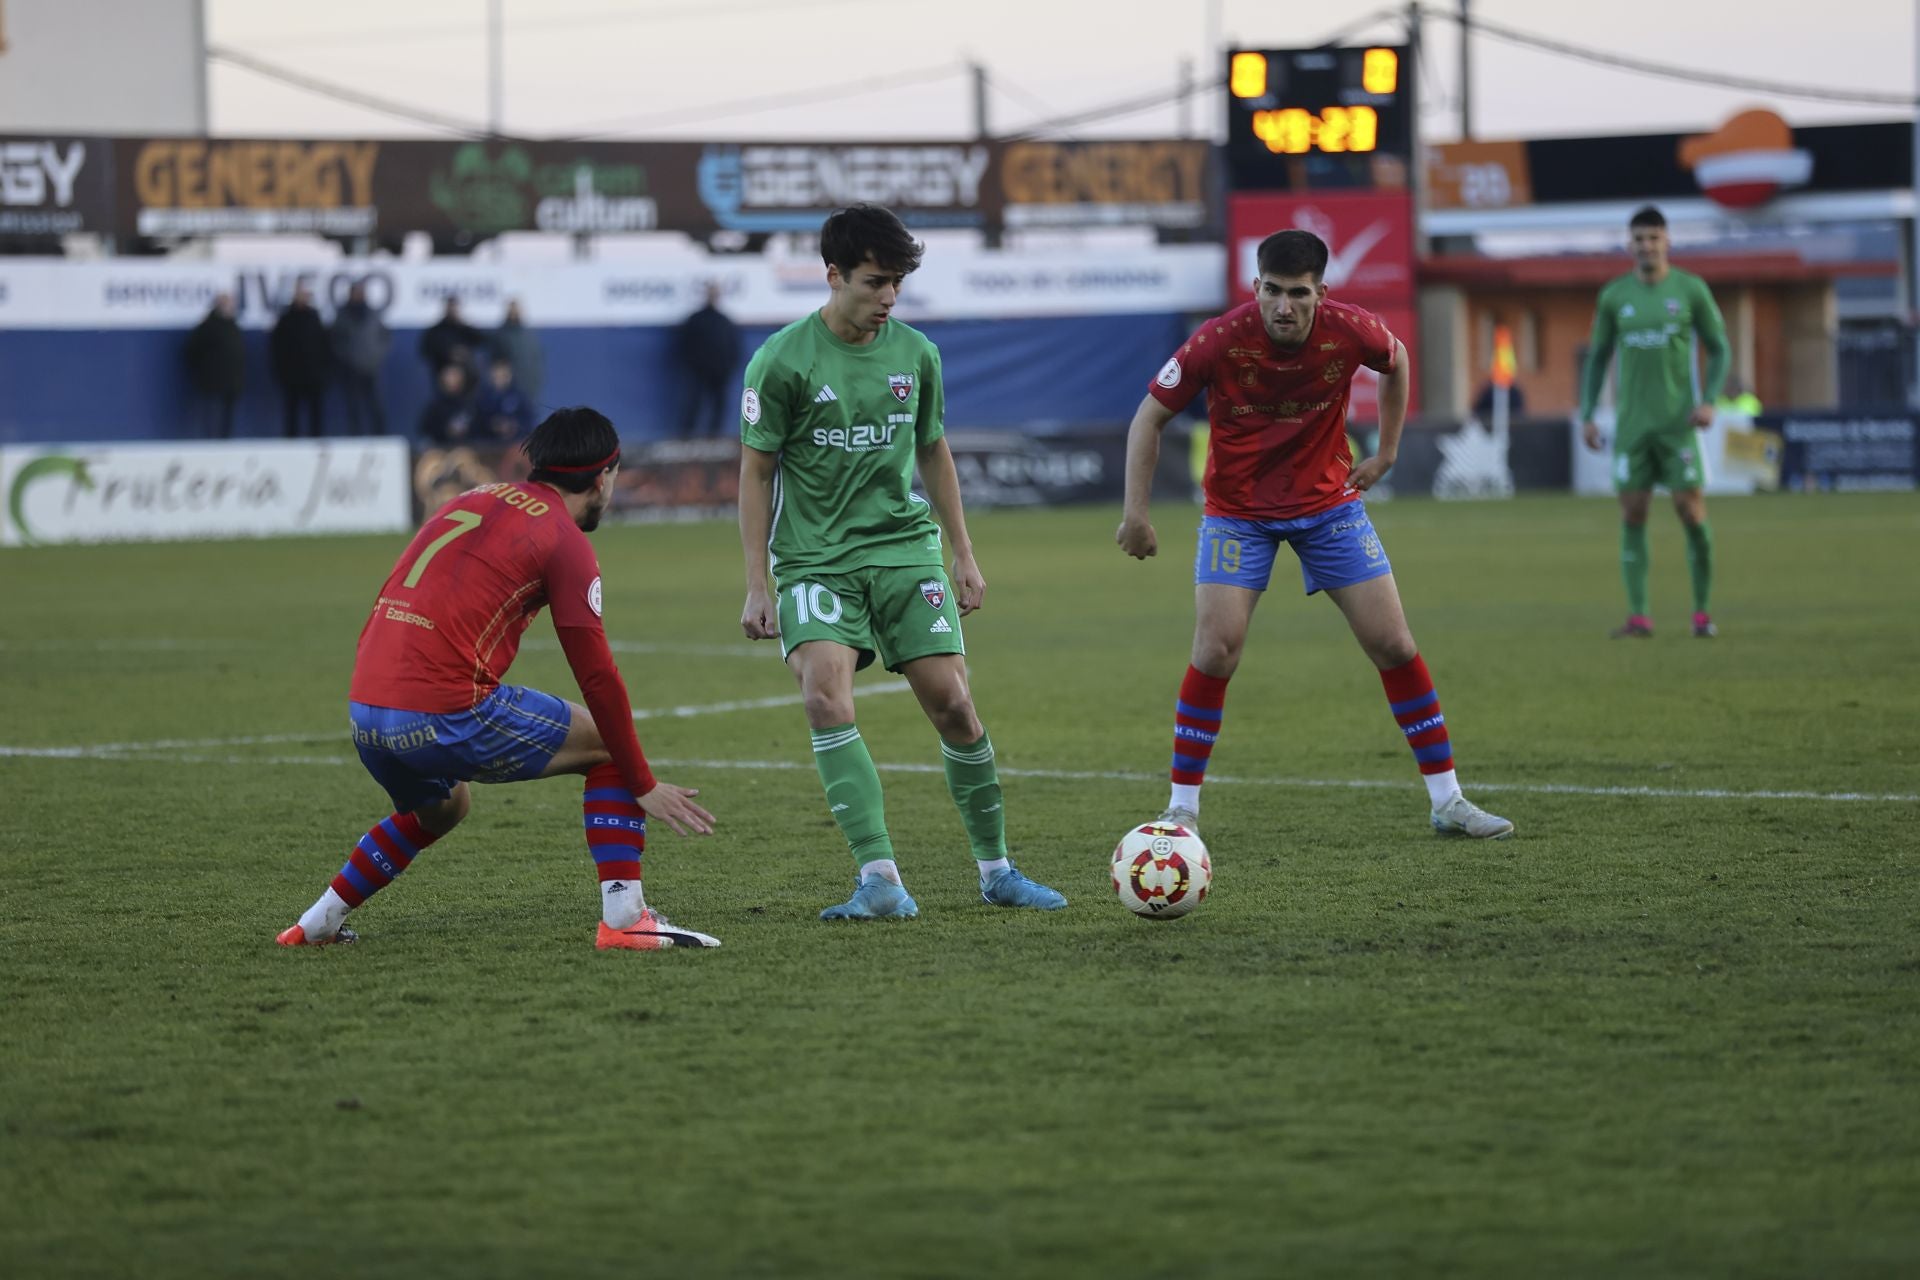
573	594
1712	332
942	480
1396	385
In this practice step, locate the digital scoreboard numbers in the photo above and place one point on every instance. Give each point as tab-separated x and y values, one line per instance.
1319	119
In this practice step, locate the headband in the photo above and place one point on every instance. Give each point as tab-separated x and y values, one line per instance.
601	465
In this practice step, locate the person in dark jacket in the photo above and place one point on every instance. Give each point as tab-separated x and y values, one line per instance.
360	345
449	417
302	358
451	340
505	412
217	365
519	346
710	355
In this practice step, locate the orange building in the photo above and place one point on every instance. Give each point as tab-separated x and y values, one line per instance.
1779	311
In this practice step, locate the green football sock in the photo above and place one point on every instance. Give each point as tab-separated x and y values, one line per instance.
1633	566
1700	562
974	783
853	791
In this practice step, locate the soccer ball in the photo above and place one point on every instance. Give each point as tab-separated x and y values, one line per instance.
1161	871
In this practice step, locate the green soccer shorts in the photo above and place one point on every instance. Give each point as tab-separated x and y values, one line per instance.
1669	459
896	614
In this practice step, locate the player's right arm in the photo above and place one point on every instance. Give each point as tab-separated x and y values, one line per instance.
766	415
1594	377
1135	534
759	619
1171	390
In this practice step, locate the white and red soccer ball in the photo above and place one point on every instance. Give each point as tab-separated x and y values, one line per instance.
1161	871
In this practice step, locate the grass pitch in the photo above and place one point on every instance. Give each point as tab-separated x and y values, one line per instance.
1672	1028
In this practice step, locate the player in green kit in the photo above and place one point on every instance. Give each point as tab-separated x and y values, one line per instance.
845	562
1654	314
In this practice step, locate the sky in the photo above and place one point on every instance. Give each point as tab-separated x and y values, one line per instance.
879	69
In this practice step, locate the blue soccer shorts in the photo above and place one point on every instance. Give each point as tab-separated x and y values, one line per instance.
419	756
1336	548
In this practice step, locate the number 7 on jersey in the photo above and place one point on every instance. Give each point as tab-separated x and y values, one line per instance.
465	522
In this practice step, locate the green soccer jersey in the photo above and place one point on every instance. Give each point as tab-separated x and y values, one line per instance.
1654	326
845	421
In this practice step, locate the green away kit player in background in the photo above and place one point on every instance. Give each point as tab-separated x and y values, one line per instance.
845	562
1653	314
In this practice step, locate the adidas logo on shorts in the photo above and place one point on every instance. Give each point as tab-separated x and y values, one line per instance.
940	627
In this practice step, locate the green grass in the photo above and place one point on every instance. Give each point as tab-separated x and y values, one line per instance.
1658	1033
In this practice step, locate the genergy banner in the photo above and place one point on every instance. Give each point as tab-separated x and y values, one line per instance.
165	294
55	186
461	191
193	489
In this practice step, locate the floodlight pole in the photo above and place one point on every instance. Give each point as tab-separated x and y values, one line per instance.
1466	71
495	69
1913	230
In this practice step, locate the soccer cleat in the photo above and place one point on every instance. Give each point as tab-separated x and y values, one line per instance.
877	898
651	932
1461	817
1703	627
295	936
1174	816
1008	888
1636	627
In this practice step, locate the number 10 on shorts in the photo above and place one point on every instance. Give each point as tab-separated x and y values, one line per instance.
812	601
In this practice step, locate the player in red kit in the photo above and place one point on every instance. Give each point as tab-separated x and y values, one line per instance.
1277	372
430	713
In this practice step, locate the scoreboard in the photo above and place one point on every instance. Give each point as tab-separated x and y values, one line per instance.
1320	119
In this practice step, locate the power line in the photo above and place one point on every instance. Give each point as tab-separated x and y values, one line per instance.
1028	100
343	93
1113	110
766	102
1641	66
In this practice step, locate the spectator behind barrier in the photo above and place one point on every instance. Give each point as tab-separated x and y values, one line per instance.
360	345
216	356
448	417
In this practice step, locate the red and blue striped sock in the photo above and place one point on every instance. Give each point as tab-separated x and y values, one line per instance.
382	854
1196	726
617	838
1416	707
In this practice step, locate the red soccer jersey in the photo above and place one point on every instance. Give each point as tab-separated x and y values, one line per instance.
448	621
1278	443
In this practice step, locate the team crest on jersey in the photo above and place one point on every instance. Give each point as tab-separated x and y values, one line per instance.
1336	369
1673	306
901	384
1249	375
934	593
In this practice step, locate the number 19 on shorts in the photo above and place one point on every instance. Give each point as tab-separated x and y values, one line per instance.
1223	553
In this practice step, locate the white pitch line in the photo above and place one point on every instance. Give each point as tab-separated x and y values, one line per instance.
166	747
744	649
756	704
193	751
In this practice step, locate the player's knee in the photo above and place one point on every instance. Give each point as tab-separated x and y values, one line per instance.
825	707
956	720
444	815
1217	656
1393	651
